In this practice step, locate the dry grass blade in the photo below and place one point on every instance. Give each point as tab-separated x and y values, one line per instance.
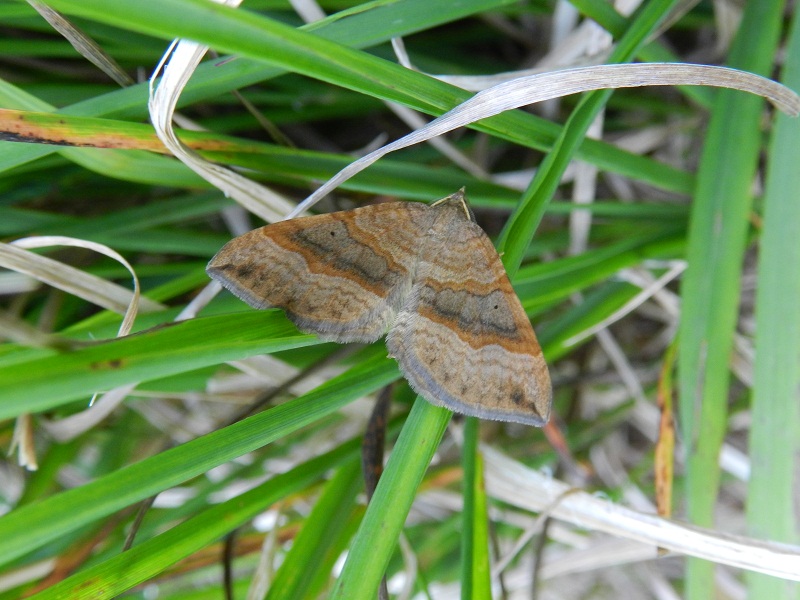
184	57
89	287
512	482
72	426
22	439
83	44
546	86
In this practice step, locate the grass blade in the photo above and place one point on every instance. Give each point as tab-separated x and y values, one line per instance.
119	574
377	536
475	572
317	547
519	229
775	430
710	290
32	527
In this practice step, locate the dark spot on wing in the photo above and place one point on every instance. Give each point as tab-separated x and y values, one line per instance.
475	313
517	397
244	270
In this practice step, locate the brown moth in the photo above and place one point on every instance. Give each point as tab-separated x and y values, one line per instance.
427	274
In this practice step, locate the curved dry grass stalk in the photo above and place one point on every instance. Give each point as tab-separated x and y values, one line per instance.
184	56
546	86
93	289
512	482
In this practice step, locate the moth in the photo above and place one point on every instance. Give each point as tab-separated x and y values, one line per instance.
429	275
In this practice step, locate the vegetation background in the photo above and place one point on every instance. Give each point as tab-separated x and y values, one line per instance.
693	178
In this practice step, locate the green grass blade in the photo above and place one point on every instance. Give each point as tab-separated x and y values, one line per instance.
272	163
163	351
318	545
258	38
147	559
373	23
31	527
710	291
376	538
143	167
775	430
543	284
475	572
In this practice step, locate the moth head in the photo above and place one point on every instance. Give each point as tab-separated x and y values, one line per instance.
459	200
